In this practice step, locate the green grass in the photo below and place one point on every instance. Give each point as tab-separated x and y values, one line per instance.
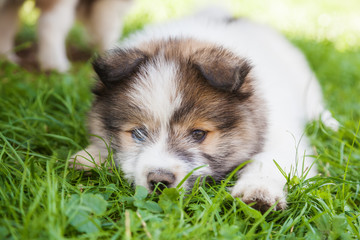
42	122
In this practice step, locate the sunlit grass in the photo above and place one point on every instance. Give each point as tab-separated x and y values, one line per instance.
314	20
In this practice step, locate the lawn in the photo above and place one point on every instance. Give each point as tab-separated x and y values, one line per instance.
42	123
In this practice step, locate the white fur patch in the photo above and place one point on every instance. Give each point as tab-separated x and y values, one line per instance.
156	91
156	157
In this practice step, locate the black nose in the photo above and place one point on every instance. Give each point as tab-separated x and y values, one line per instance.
165	178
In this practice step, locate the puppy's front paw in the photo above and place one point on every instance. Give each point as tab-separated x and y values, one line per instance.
86	160
329	121
264	195
61	66
50	60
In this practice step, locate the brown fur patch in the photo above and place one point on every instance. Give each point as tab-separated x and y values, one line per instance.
211	143
46	5
219	66
126	140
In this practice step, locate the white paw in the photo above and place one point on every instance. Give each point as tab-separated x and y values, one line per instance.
86	160
60	65
329	121
264	194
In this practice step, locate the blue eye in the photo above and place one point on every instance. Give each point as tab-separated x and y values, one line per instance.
139	134
198	135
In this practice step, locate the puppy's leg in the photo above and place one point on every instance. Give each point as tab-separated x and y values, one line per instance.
54	23
104	21
262	183
9	22
93	155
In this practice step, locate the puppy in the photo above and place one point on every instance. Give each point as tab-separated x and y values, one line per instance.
206	90
102	19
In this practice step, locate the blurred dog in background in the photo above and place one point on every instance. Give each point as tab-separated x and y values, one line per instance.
102	19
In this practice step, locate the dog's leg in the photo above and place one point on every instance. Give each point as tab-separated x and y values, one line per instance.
9	22
256	186
54	23
262	183
97	152
105	20
93	155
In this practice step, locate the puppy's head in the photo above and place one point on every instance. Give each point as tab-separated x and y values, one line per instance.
171	106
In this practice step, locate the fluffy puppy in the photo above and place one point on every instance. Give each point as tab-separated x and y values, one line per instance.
102	18
206	90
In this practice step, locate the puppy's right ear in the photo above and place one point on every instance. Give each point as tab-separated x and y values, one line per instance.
117	65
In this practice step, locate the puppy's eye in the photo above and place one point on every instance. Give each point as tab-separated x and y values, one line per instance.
198	135
139	134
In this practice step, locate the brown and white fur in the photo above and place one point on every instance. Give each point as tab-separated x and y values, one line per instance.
206	90
102	19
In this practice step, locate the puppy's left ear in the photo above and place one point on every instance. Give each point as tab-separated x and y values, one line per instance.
222	69
117	65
